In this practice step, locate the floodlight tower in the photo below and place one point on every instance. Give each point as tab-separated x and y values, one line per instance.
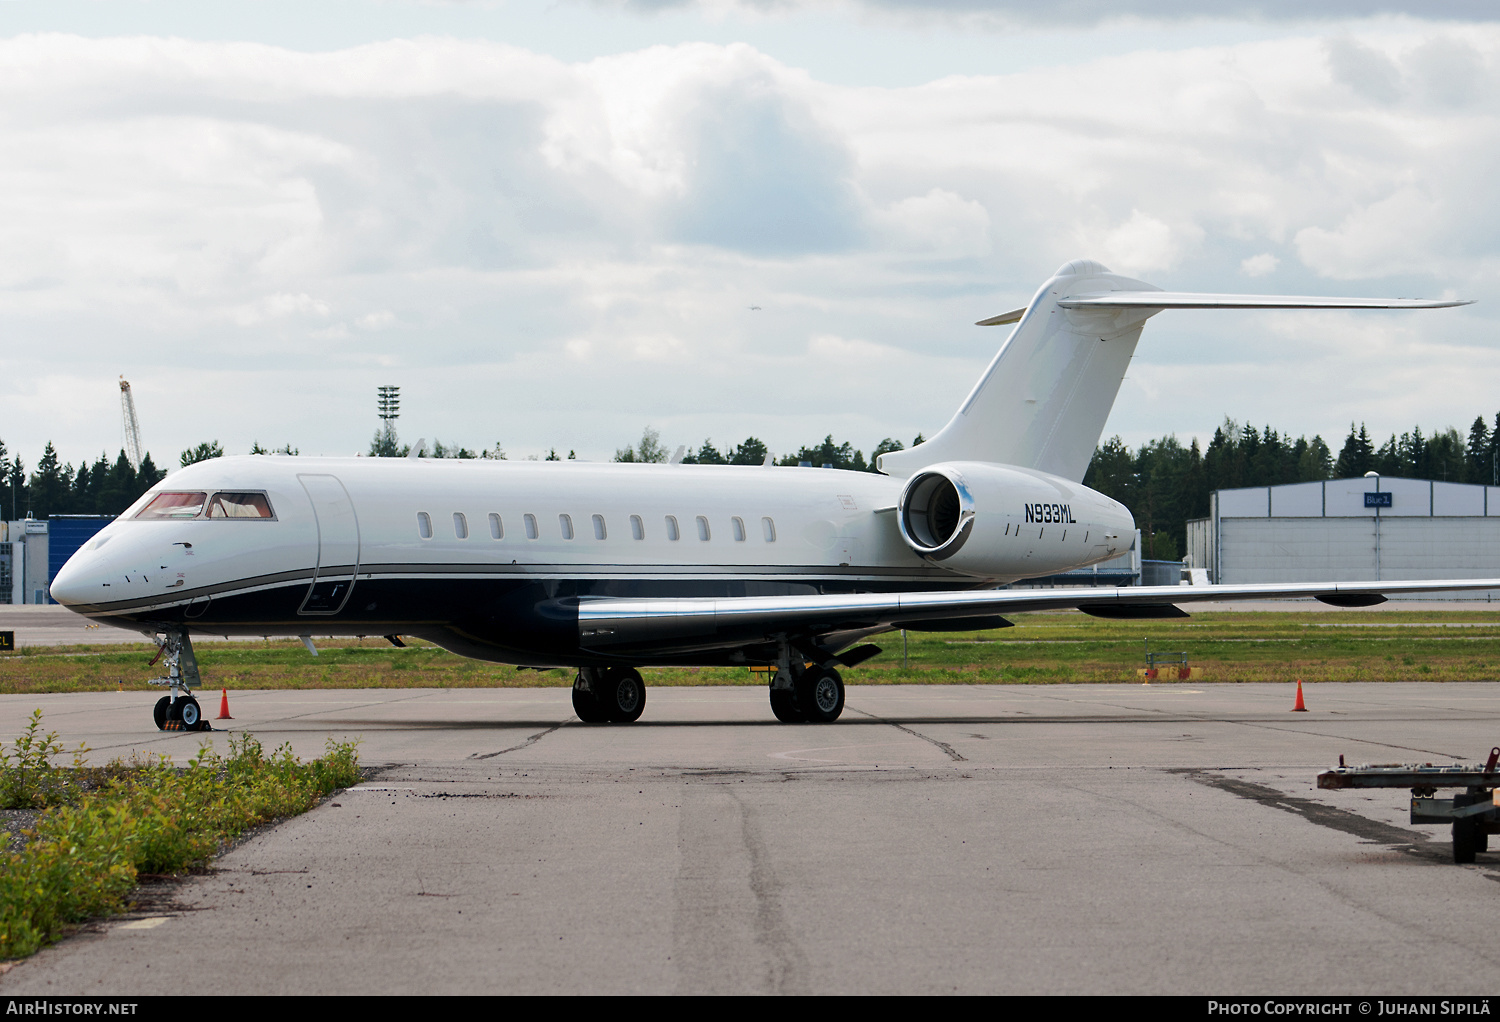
388	402
132	426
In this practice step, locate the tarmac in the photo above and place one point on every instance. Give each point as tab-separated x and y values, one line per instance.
1088	839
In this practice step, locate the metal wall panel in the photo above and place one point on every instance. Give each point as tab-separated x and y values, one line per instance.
1251	501
1456	499
1297	500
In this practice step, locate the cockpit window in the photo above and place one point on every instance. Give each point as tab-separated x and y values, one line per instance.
240	505
173	505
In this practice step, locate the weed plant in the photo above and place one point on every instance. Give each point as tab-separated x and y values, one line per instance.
83	857
28	778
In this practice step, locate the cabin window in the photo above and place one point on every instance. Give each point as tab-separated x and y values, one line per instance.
672	532
703	528
240	505
173	505
637	527
565	522
600	532
497	530
739	529
460	525
769	528
531	529
424	525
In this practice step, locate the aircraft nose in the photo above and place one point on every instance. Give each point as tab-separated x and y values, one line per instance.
70	585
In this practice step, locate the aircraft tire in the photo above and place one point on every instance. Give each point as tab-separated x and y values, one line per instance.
1465	840
784	705
586	705
622	694
820	695
190	713
159	712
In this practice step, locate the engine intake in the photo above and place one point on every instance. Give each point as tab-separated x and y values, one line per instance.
936	513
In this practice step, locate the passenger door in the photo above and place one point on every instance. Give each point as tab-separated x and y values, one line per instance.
338	545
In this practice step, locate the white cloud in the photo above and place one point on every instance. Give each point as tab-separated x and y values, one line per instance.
940	224
1259	265
1142	244
378	320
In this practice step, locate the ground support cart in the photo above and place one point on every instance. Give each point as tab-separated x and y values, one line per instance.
1474	813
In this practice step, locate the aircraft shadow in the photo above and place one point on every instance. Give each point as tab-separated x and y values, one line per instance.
493	725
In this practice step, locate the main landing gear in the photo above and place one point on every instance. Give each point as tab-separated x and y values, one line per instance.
810	695
178	711
614	695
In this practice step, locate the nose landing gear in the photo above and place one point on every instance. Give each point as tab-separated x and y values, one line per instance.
178	711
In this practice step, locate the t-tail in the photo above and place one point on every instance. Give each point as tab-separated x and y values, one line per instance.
1043	400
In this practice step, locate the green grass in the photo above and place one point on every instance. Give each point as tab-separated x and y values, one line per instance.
1043	648
104	828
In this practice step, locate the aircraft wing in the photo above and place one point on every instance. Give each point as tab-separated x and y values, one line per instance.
1190	300
609	625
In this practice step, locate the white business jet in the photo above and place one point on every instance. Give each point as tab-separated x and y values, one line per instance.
607	568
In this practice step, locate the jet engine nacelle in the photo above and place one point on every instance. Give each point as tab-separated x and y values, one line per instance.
1001	521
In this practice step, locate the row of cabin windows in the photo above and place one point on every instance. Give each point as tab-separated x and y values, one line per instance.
601	531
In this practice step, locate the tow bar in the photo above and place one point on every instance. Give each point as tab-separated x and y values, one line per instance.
1474	814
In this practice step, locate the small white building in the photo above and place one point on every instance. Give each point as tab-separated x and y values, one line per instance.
1350	530
23	561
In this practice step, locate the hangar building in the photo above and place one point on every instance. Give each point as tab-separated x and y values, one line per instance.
1346	530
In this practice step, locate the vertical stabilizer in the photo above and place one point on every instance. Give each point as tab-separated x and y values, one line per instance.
1044	399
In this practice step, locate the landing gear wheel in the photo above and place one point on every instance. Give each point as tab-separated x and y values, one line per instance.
784	705
1465	840
820	695
622	694
160	712
189	713
586	704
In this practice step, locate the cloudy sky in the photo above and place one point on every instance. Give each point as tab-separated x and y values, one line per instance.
553	223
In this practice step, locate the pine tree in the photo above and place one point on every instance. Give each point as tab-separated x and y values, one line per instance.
1357	456
749	452
48	489
1477	454
203	452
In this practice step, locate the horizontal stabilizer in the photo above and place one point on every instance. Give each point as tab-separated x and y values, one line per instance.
1189	300
1013	316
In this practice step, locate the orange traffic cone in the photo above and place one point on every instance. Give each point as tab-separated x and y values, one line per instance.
1300	707
224	706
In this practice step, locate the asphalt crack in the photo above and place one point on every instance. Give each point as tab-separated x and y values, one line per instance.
947	749
528	743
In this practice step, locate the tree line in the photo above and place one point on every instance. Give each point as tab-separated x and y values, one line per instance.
53	488
1164	483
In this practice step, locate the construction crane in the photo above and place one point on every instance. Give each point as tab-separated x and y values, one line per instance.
132	426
